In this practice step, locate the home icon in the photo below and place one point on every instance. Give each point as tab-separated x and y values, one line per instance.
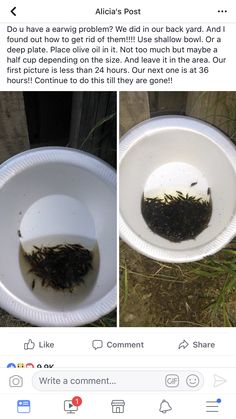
118	406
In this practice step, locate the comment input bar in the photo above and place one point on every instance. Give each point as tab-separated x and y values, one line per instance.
118	380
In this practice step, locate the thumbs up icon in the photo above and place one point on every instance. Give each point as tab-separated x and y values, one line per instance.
29	345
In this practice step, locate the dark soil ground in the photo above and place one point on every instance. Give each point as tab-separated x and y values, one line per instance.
158	294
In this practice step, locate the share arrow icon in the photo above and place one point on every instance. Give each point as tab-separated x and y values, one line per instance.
218	381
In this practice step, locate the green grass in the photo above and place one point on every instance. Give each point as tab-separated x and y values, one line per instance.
222	266
217	271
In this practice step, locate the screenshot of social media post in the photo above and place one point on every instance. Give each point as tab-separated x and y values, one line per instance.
70	373
117	209
117	48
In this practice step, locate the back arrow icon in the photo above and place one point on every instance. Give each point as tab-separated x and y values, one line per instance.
13	11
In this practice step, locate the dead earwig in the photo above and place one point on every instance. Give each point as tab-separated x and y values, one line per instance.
177	218
61	267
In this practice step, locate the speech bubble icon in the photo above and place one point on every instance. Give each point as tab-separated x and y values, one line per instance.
97	344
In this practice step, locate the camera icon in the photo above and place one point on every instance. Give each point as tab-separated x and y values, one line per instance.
16	381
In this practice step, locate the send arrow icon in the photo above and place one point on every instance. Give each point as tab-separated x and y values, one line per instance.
218	381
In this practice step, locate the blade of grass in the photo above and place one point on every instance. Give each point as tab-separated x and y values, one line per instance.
126	287
99	124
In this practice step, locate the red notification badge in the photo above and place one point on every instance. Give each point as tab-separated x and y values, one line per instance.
76	401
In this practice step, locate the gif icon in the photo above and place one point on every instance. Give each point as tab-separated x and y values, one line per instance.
172	380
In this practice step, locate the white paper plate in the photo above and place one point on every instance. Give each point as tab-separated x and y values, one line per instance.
166	154
55	195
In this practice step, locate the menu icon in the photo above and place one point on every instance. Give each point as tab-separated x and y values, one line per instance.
212	406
